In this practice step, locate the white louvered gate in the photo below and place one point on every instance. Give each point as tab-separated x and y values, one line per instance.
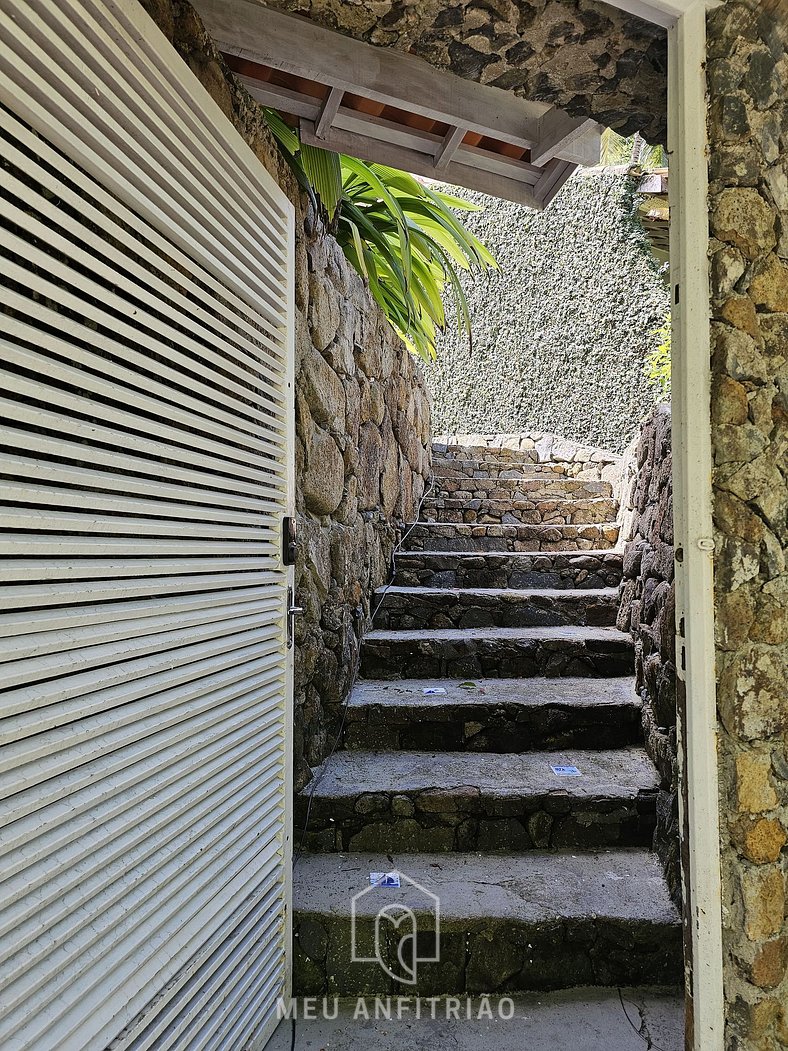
145	469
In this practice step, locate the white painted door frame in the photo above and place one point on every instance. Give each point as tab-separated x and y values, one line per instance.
685	21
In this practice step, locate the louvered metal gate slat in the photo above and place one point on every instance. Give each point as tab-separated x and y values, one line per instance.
146	465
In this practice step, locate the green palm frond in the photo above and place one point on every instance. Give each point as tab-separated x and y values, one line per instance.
403	237
324	172
632	151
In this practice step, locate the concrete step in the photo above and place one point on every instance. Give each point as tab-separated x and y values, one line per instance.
501	652
493	715
547	487
514	510
466	536
584	1019
448	801
420	607
504	924
499	569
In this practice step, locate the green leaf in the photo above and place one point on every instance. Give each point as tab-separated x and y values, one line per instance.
359	247
458	203
286	136
397	180
324	171
365	173
402	237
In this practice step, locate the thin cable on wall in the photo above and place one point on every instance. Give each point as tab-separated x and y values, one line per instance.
356	664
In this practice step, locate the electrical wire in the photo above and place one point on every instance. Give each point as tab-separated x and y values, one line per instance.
356	665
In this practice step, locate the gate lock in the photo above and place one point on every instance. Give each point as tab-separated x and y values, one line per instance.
292	612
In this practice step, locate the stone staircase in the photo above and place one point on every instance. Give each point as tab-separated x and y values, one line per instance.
493	669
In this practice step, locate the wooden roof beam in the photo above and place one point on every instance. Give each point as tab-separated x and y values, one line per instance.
511	180
556	173
357	134
275	96
558	133
296	45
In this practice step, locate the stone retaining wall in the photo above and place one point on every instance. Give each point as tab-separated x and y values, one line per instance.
362	462
647	610
537	448
362	424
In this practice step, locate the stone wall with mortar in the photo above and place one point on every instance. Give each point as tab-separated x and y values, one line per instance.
362	425
747	73
561	332
647	610
581	55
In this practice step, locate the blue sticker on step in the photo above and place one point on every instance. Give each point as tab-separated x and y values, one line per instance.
384	879
566	771
430	690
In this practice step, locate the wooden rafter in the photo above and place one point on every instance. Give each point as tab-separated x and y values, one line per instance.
328	111
449	146
388	106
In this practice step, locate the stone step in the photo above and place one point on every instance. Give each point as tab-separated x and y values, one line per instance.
493	715
547	487
420	607
504	924
496	468
476	451
447	801
466	536
440	448
499	569
513	511
499	652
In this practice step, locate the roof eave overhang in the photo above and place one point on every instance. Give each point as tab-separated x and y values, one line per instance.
548	144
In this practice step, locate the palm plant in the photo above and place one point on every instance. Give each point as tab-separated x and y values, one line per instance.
632	151
399	234
658	361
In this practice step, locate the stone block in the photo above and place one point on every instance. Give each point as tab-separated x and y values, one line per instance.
324	311
763	896
754	790
322	389
324	477
740	216
370	452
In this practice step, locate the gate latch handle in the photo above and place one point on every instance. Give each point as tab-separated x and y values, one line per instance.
292	612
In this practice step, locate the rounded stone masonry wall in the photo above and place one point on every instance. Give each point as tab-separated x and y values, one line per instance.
362	425
647	610
561	332
362	463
